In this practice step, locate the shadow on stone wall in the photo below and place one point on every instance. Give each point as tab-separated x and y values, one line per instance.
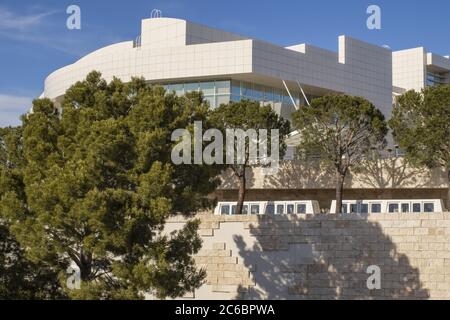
395	173
230	181
303	175
324	257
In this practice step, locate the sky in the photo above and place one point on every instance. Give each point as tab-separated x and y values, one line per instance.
34	39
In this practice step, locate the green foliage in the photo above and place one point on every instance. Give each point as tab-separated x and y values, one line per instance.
421	126
340	130
246	115
92	182
22	279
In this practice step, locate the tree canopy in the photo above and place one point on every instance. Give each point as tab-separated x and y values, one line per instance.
249	115
421	126
340	130
91	182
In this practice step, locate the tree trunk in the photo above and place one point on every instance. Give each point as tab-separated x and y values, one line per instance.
241	196
448	191
340	177
86	266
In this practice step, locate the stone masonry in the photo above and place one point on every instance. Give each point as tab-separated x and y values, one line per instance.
323	256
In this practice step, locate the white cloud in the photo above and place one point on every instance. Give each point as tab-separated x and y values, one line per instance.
11	108
12	21
41	29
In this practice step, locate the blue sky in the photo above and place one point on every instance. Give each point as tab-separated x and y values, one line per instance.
34	40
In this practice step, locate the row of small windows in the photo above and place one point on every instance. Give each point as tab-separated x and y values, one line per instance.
270	209
363	208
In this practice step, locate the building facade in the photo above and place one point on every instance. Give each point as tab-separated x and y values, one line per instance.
415	69
183	56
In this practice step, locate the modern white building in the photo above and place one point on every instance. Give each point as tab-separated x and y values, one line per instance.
415	69
186	56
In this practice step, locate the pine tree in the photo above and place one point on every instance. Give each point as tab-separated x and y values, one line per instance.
95	185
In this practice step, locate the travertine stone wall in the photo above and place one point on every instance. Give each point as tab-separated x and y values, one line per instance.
323	256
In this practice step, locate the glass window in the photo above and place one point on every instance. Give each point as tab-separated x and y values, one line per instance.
287	100
235	98
236	88
393	208
277	95
417	207
428	207
344	208
190	87
224	209
268	95
301	208
405	207
178	88
207	88
353	208
247	89
222	100
222	87
270	209
290	209
245	209
376	208
233	209
258	92
364	208
254	208
211	101
280	209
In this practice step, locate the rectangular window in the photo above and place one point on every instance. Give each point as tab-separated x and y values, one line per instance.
258	92
178	88
224	99
270	209
191	87
428	207
405	207
301	209
236	88
376	208
290	209
277	96
211	101
245	209
225	210
364	208
222	87
417	207
207	88
280	209
254	209
353	208
393	208
344	208
268	95
247	90
235	98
